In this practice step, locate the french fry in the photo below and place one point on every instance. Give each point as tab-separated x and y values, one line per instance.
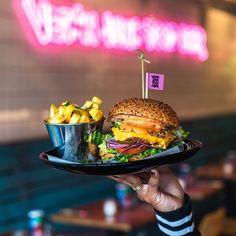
56	119
84	119
81	111
97	100
87	104
74	118
68	112
96	114
53	110
95	105
61	110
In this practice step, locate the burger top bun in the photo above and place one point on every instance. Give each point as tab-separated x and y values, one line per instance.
145	108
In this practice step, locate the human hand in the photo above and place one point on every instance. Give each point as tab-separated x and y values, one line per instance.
162	190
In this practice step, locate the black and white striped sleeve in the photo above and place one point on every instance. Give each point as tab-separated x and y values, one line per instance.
178	222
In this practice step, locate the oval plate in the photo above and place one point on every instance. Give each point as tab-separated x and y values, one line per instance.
52	158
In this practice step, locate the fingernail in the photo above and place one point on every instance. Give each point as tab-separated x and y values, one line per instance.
153	172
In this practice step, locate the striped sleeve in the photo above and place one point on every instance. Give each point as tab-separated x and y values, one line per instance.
178	222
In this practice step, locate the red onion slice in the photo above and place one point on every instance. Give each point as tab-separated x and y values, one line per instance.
112	143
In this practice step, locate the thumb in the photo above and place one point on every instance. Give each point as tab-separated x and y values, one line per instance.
153	183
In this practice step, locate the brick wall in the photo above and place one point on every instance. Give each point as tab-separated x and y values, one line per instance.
32	79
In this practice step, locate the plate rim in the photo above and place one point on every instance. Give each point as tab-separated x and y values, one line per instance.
110	164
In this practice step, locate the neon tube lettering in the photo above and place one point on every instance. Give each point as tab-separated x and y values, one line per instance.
68	25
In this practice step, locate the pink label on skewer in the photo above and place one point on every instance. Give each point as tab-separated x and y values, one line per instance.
155	81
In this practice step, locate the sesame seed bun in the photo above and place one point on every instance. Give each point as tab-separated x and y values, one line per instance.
144	108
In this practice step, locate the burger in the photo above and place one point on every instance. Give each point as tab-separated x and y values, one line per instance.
140	128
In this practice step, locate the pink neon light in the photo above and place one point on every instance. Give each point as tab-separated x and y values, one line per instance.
159	35
192	40
121	32
67	25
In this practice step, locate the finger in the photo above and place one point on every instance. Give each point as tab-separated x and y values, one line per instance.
119	179
163	169
129	180
113	178
122	176
153	182
144	176
133	180
165	174
119	176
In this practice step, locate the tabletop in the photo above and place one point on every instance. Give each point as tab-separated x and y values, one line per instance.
201	189
92	215
126	220
217	171
15	233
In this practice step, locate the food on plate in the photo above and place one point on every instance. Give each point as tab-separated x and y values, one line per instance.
139	128
70	113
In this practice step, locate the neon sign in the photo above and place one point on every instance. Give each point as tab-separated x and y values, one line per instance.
69	25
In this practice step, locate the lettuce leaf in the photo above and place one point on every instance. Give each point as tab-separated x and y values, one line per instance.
181	133
97	137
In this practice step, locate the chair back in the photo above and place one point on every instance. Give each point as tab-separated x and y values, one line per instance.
212	223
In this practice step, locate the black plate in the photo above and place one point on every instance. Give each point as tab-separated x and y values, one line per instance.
121	168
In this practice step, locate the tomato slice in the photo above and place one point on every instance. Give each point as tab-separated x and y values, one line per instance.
134	150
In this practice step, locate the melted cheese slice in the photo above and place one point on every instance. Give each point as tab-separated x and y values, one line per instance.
122	136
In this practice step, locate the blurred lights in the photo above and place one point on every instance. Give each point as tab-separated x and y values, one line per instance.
120	32
20	115
67	25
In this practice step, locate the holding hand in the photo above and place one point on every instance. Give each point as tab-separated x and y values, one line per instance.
162	190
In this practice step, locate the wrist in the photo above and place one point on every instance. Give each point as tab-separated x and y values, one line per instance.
177	222
168	203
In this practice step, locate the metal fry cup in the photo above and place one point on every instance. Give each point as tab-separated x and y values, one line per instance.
70	139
